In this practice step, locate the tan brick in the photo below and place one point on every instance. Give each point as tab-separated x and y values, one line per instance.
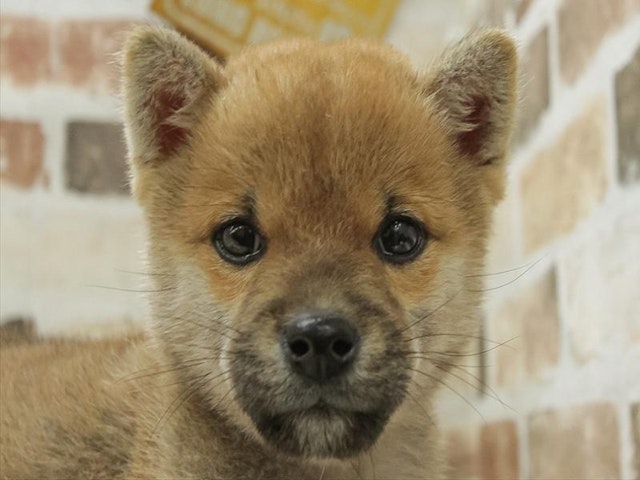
600	301
530	321
87	52
24	50
522	8
493	13
535	91
462	451
583	24
635	433
466	378
499	451
488	452
578	442
21	153
628	116
563	183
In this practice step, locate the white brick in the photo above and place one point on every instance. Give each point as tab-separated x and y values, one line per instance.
601	282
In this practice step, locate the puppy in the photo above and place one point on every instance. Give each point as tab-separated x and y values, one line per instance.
317	218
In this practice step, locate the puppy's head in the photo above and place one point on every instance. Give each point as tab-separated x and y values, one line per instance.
318	216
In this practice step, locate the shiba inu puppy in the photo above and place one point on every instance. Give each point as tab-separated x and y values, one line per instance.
317	217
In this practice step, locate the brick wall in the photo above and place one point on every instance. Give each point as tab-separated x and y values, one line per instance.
69	232
560	399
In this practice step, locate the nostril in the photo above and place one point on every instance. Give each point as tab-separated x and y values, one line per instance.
299	347
341	348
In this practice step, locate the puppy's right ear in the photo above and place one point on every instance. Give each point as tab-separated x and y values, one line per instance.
168	82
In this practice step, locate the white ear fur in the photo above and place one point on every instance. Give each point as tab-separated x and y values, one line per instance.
474	89
167	82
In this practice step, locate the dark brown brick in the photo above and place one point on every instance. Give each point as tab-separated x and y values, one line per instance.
499	451
24	50
628	113
16	331
535	94
87	52
21	151
96	158
583	24
577	442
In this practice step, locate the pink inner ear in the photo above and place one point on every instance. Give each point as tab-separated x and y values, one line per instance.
168	136
470	142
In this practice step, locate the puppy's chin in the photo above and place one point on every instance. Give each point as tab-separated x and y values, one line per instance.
321	431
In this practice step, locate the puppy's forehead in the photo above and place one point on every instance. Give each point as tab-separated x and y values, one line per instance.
331	128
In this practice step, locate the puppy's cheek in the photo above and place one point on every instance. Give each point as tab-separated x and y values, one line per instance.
256	366
411	284
227	282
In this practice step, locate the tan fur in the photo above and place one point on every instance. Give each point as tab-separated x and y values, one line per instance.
317	142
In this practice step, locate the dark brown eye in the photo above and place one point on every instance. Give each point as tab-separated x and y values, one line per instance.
400	239
238	242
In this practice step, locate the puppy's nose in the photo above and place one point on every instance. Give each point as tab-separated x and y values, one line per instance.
320	348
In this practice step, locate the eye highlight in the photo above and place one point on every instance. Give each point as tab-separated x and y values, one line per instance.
400	239
238	242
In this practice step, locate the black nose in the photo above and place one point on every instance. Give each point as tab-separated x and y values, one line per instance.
320	348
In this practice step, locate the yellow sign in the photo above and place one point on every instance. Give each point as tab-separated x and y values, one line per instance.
224	26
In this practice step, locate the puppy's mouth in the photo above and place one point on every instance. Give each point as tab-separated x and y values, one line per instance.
301	410
322	430
338	420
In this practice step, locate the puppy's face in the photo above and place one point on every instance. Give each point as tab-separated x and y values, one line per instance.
318	216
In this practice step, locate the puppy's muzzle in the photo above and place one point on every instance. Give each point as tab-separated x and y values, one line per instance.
320	348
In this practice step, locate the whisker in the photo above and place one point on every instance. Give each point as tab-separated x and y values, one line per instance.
442	382
210	327
424	357
132	290
188	393
447	354
189	364
493	393
511	270
218	320
506	284
423	318
147	274
429	417
476	337
180	400
219	402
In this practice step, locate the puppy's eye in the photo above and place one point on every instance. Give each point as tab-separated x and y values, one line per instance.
400	239
238	242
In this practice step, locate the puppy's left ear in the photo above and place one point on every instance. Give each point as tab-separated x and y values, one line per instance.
473	88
